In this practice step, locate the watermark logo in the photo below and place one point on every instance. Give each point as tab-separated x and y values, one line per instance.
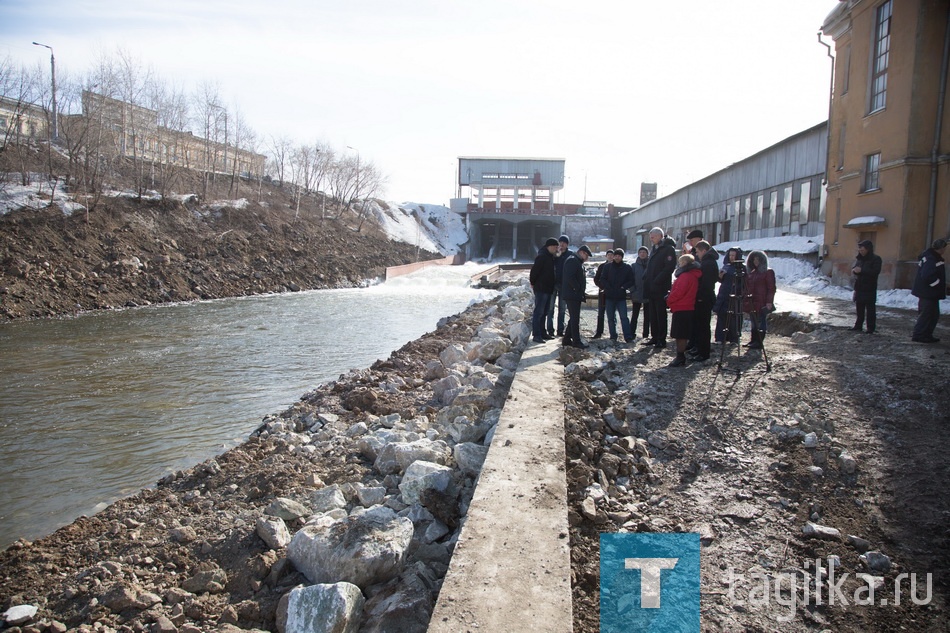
649	582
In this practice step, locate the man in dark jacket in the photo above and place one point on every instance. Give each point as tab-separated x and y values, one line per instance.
866	269
563	252
617	280
930	286
573	293
542	277
601	305
657	281
707	257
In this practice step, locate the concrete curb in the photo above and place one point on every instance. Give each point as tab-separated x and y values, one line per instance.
511	569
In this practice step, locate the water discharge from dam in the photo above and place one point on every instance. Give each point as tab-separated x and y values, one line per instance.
96	407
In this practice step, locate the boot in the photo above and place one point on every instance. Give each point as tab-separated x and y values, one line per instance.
757	336
679	361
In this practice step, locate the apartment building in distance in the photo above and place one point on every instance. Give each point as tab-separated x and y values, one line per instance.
19	119
888	167
134	131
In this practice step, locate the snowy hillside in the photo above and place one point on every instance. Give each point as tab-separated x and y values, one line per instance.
429	226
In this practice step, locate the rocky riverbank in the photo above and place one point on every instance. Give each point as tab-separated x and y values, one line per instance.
352	497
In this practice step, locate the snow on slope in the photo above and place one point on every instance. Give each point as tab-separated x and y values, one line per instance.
429	226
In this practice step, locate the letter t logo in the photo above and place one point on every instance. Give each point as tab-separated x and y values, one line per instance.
650	578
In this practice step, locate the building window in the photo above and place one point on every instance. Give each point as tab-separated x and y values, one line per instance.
882	47
846	80
841	140
872	168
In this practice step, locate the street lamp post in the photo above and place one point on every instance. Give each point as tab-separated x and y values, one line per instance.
52	67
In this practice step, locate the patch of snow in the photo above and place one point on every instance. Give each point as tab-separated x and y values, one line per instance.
148	194
866	219
429	226
39	194
218	205
797	244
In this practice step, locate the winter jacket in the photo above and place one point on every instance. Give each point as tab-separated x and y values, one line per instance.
726	284
599	276
617	279
559	262
865	282
659	273
931	280
573	279
639	267
683	293
707	283
759	287
542	275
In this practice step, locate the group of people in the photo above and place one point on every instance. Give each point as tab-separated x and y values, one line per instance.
659	283
656	283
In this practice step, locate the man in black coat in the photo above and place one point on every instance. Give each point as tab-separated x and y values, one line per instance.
657	281
573	293
617	280
866	269
707	257
930	286
542	278
563	252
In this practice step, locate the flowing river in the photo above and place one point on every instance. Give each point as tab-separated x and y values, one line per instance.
96	407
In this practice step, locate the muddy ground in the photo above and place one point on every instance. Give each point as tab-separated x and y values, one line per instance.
728	459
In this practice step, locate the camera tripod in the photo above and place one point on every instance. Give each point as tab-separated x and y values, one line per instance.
733	329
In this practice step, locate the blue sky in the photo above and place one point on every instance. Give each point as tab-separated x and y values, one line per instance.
624	91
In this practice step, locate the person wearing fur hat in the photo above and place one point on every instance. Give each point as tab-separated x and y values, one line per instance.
759	300
563	252
542	278
682	303
866	269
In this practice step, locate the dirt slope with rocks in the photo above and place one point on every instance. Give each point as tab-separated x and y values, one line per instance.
140	252
839	451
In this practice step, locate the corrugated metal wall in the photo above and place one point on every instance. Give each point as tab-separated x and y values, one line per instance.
777	191
473	171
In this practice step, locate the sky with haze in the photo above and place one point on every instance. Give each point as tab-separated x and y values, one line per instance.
625	92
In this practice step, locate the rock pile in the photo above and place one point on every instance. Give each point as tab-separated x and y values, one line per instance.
340	514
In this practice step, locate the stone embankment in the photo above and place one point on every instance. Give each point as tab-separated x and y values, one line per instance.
340	514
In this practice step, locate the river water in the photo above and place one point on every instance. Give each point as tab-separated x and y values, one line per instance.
96	407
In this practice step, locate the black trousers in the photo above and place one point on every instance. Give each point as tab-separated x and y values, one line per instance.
601	309
928	313
659	325
868	309
635	316
572	335
701	335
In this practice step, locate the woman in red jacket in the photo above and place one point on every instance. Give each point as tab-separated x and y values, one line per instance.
759	300
681	302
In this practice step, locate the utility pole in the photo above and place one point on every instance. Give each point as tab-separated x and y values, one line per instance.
52	67
357	192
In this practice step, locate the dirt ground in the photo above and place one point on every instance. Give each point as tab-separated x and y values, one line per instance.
728	459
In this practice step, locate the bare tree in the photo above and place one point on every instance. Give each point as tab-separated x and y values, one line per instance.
208	115
138	124
171	104
280	148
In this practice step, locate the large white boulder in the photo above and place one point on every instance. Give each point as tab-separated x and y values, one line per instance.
364	550
422	476
325	608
